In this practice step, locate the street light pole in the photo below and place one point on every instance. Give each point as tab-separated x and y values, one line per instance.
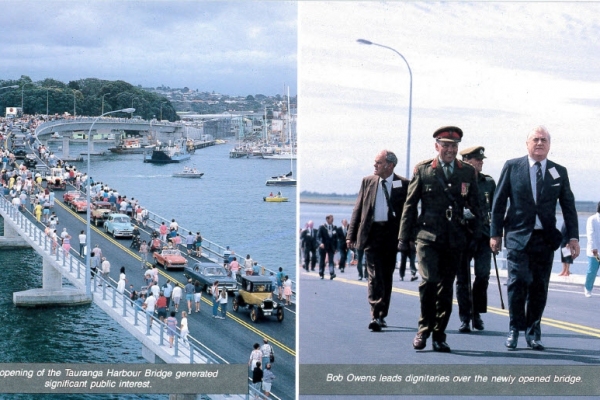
103	102
88	233
363	41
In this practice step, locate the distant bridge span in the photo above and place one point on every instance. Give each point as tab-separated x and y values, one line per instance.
84	124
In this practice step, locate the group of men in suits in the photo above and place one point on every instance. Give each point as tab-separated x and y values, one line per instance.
454	223
326	241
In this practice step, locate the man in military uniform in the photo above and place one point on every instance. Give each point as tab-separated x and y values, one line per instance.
444	186
473	301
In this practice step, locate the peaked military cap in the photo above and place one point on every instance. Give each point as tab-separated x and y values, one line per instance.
451	134
473	152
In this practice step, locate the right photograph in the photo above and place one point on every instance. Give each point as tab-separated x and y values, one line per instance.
449	221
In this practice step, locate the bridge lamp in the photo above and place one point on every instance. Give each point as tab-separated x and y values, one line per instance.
88	233
368	42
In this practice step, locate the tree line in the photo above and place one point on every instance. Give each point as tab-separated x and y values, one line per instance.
89	97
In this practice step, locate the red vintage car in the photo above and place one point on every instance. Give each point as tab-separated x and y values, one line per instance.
169	258
100	211
79	204
70	195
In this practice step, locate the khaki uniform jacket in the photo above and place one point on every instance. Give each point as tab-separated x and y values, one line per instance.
441	220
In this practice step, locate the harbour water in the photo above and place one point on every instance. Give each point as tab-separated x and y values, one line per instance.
226	205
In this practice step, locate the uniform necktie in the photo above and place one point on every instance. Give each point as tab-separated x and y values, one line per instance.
539	180
447	170
391	212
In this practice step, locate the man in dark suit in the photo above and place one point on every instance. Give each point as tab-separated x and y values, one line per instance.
342	231
327	236
308	238
533	184
445	187
373	228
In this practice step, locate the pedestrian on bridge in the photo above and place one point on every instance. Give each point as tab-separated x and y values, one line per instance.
266	350
143	253
177	292
184	328
105	270
197	294
189	242
268	378
214	290
149	305
171	328
168	290
122	281
66	242
162	230
189	294
82	240
198	241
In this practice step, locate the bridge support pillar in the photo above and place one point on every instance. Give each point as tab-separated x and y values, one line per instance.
11	239
52	293
65	147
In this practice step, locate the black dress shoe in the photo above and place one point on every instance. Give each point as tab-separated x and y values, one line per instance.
478	323
401	278
535	345
512	339
419	342
382	323
441	347
375	325
464	327
332	276
360	278
321	276
413	278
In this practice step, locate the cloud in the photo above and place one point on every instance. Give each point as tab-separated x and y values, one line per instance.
177	43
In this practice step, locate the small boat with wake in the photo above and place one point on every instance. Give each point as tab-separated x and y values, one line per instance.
188	173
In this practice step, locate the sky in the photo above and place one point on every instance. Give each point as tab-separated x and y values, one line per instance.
236	48
494	69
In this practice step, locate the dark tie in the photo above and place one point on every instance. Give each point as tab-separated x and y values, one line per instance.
447	170
391	212
539	180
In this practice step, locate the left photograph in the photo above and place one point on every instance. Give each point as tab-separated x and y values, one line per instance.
148	208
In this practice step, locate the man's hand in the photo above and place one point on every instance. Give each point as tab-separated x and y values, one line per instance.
574	247
403	246
496	244
350	244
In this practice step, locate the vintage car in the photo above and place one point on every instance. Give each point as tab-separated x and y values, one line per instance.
70	195
169	258
56	179
256	295
79	204
100	211
118	225
207	273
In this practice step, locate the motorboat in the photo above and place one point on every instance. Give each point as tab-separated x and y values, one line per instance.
282	180
188	173
278	198
168	153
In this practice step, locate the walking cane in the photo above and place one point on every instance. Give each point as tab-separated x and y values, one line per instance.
498	279
470	294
